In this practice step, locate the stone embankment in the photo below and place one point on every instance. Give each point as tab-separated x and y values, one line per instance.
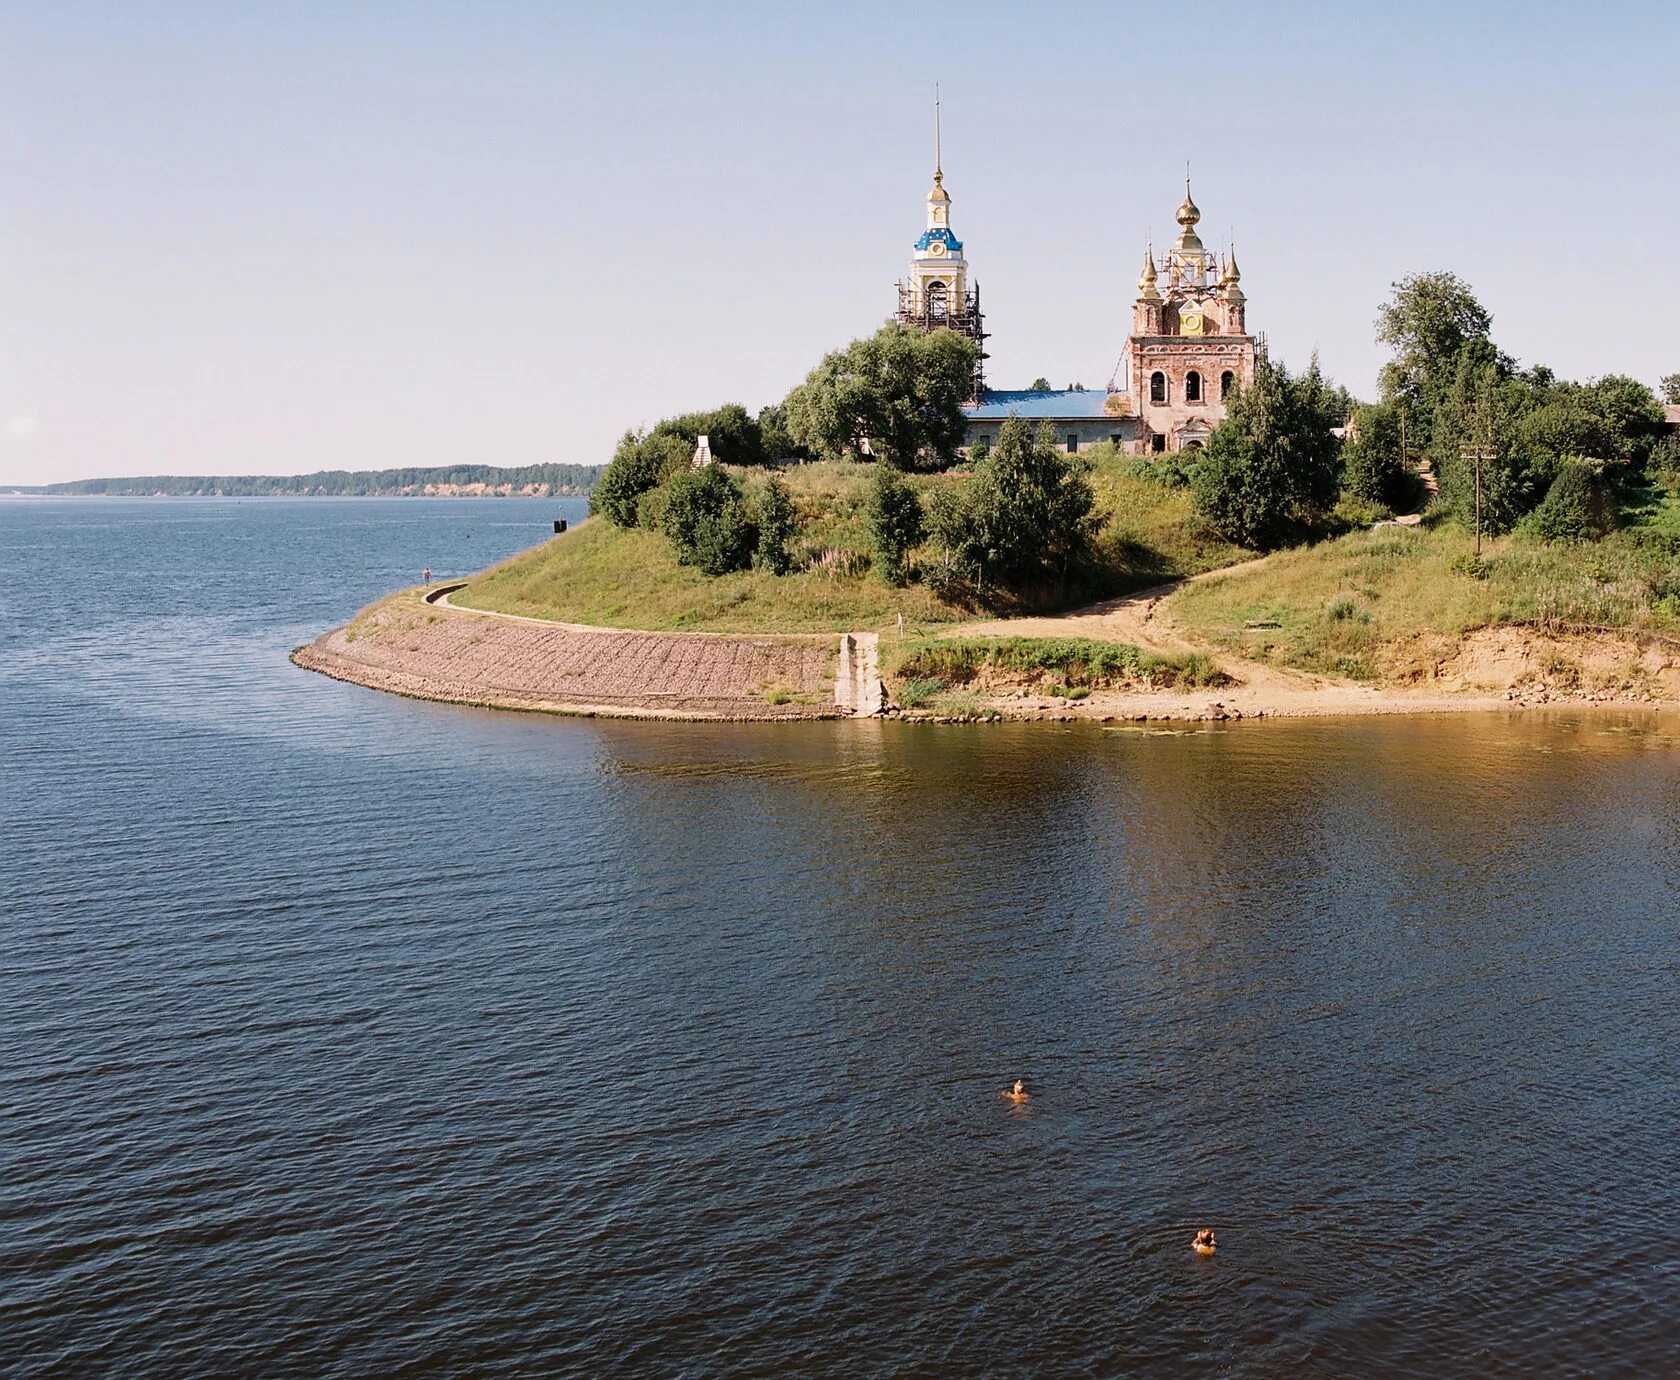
424	648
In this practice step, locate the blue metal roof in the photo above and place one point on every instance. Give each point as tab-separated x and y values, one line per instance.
1059	404
952	243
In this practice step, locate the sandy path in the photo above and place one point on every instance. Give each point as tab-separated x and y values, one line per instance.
1261	690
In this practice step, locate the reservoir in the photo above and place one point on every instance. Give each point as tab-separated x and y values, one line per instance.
346	1034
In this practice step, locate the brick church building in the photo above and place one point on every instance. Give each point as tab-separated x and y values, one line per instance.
1189	346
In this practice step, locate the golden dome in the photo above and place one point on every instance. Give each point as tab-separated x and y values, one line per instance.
1188	212
939	193
1147	279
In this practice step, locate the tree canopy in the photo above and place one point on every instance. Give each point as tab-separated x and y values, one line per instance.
901	391
1274	462
1022	520
1428	323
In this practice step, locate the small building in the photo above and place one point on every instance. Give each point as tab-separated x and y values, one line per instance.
1077	417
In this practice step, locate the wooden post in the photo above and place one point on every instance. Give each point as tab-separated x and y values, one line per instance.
1478	503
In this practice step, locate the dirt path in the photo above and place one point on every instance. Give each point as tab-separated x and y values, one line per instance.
1145	620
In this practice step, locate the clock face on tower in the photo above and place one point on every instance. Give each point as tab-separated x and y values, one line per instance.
1190	322
937	249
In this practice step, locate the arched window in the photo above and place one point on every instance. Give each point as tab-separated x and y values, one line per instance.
1157	387
938	300
1192	387
1227	381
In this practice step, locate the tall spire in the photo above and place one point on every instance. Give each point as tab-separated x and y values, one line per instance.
938	142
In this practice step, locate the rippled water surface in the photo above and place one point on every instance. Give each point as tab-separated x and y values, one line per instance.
344	1034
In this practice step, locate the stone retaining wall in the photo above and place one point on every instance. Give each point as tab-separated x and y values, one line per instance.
413	648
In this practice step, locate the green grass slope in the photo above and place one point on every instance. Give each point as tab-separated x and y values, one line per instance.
1359	606
601	574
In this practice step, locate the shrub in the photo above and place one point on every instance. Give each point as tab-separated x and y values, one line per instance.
1344	608
919	690
707	522
895	524
640	464
778	524
1577	507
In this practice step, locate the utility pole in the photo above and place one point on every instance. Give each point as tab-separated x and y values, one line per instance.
1477	455
1478	503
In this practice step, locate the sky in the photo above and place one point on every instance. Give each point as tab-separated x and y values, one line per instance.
245	238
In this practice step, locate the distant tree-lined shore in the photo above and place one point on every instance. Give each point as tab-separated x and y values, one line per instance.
472	481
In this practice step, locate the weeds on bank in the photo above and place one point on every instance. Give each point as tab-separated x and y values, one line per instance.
1075	663
1371	600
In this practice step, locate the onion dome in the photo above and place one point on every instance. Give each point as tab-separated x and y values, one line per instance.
1188	212
1233	276
1147	279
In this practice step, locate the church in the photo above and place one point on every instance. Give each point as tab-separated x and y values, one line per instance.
1189	345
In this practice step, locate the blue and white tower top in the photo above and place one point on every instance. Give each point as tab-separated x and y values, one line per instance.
938	271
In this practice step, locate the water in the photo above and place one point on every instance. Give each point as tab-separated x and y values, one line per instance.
346	1034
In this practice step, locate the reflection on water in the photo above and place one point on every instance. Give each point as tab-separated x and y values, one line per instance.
347	1033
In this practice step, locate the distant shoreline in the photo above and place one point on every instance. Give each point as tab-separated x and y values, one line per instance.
393	493
433	481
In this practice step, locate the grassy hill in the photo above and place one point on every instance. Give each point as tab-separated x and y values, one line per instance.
1376	605
601	574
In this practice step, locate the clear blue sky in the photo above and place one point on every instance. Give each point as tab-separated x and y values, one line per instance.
269	238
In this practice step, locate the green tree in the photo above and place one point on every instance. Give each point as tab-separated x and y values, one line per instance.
777	440
1274	461
899	390
1427	323
1024	518
706	519
895	524
778	524
640	464
1373	465
1481	411
1039	385
1629	416
732	433
1670	387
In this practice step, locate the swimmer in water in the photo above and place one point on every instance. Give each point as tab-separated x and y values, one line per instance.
1205	1242
1018	1093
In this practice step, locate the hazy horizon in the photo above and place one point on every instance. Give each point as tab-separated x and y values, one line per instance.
242	243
